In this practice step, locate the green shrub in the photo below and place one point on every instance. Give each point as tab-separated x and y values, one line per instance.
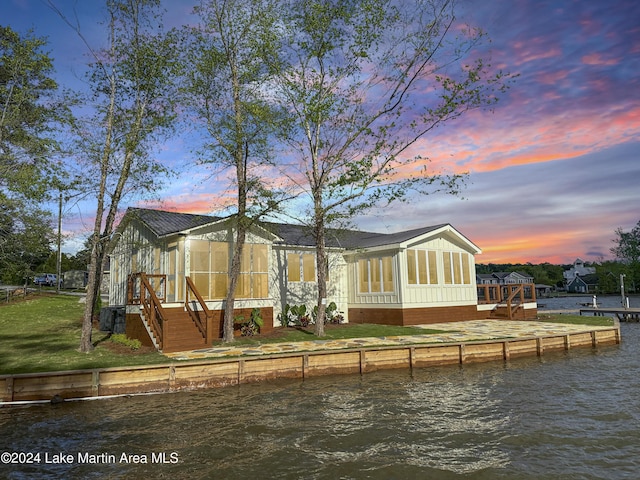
252	326
122	339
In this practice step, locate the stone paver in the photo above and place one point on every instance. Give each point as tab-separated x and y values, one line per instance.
455	332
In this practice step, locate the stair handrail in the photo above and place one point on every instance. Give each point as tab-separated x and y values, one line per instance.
152	307
512	294
206	326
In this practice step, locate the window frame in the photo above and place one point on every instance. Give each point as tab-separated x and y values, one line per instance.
376	273
307	269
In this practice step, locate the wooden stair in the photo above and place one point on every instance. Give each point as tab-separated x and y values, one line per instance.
180	332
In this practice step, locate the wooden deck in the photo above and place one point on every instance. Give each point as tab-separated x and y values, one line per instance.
623	314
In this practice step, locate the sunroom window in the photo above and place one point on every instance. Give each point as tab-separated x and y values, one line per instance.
422	268
375	275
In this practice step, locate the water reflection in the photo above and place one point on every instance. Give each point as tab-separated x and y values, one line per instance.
457	418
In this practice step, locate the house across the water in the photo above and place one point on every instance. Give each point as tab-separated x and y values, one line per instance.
170	272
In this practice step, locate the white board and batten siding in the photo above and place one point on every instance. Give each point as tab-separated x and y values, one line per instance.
305	291
407	295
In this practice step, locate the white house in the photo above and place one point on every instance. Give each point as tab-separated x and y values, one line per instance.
413	277
578	270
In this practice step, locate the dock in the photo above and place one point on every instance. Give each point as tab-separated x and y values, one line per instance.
623	314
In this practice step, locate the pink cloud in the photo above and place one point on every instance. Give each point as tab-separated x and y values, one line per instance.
598	59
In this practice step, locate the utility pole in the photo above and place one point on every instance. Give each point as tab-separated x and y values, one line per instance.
622	275
59	257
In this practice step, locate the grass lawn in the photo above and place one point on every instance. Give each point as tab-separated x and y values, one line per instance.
42	333
332	332
576	319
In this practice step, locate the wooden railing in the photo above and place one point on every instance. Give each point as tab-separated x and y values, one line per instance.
141	287
156	281
196	308
512	296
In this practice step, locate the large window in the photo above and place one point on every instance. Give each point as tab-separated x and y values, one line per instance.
210	269
301	267
375	275
457	270
254	277
422	267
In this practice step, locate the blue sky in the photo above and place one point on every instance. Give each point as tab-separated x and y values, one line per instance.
554	170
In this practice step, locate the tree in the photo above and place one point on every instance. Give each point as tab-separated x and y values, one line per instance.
364	81
225	90
28	112
131	84
627	250
608	273
25	240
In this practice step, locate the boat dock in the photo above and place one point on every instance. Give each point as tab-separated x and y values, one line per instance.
623	314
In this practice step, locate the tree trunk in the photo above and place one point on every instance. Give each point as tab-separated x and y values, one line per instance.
321	266
93	286
234	275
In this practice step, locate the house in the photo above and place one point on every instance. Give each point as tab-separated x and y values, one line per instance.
180	261
583	284
543	290
578	269
75	279
504	278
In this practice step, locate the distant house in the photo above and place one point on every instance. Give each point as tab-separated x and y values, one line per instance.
543	290
503	278
578	269
583	284
419	276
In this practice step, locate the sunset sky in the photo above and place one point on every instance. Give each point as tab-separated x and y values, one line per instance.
554	170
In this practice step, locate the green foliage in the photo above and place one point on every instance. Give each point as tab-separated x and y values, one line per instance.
353	77
133	92
251	326
300	316
122	339
332	314
545	273
286	317
627	250
25	240
29	113
609	276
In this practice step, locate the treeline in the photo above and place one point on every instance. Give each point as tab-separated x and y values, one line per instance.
544	273
607	272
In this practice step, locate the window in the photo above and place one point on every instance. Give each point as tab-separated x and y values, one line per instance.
457	269
375	275
301	267
210	269
254	277
422	267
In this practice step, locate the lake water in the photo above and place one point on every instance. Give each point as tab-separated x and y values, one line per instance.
566	415
574	303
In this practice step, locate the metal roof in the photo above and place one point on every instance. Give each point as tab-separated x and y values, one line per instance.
164	223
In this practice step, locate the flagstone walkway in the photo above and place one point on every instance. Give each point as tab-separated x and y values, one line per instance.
473	330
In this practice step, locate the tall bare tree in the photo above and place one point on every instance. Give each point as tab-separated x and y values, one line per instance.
226	79
365	80
133	104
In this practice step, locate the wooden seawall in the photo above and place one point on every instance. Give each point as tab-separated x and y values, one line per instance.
238	370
